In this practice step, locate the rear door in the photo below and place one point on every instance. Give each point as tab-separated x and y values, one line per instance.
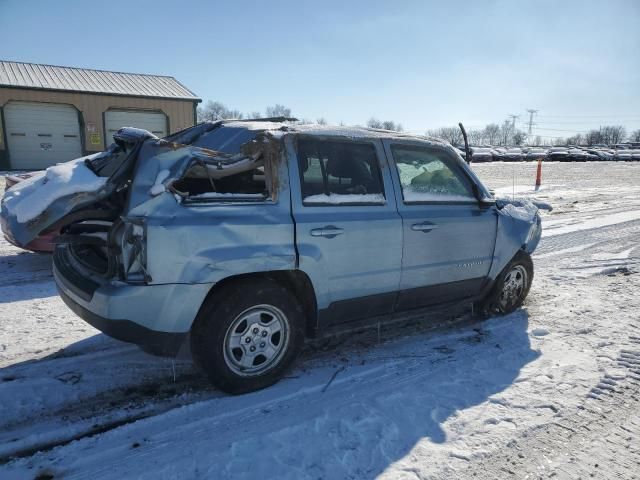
348	231
449	238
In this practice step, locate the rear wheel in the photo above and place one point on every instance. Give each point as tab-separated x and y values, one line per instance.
247	335
512	286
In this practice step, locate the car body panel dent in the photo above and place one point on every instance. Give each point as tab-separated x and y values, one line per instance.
209	241
519	228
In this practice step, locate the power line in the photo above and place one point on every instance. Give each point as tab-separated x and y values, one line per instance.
547	136
589	116
560	130
593	122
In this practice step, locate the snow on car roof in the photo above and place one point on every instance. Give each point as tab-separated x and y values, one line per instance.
280	128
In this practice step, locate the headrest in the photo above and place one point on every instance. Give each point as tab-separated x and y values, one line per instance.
304	163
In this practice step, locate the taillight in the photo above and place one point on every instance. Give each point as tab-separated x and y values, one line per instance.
134	251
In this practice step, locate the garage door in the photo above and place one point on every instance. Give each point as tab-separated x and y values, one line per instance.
41	134
153	122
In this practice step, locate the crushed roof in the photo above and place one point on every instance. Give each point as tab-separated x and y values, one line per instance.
86	80
327	130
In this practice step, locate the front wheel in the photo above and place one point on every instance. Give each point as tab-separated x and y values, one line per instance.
247	335
512	285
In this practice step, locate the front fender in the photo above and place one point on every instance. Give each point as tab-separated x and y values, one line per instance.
519	228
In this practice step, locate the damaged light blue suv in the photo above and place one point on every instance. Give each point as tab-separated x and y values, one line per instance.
242	238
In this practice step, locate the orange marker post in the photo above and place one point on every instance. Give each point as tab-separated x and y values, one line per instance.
539	174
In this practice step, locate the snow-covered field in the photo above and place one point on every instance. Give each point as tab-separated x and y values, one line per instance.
552	390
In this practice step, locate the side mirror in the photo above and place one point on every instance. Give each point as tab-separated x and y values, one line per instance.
483	201
486	202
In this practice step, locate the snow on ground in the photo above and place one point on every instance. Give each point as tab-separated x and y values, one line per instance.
549	390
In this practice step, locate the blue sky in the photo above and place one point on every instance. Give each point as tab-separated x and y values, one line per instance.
424	64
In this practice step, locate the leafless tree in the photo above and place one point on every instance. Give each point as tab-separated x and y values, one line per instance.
476	137
321	121
577	139
374	123
608	134
453	135
613	134
634	136
506	132
237	114
593	137
213	111
255	114
518	138
492	133
391	125
278	111
384	125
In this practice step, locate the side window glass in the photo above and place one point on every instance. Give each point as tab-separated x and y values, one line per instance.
336	173
429	175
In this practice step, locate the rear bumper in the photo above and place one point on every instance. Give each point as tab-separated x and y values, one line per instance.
156	317
161	343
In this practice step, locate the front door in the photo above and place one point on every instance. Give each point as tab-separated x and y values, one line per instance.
348	230
449	238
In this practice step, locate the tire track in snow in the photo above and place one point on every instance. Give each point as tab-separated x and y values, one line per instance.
599	440
214	426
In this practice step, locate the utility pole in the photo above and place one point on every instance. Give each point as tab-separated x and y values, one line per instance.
531	113
513	120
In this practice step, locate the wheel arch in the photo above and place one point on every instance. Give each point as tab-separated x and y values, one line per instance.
296	281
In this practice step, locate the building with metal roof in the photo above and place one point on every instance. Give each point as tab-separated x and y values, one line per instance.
50	114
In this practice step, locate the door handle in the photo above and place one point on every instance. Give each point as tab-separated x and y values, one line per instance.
425	227
329	231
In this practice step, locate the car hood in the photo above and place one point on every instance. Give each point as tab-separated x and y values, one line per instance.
39	203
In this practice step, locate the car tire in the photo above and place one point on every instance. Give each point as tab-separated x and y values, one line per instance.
247	335
511	287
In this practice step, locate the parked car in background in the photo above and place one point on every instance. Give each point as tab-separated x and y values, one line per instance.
624	155
536	153
513	154
558	154
577	155
602	153
481	154
244	238
499	154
